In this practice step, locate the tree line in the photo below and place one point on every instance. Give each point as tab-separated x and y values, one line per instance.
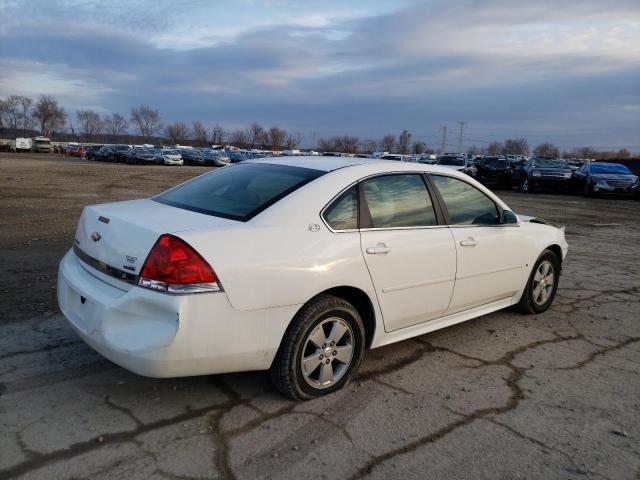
23	115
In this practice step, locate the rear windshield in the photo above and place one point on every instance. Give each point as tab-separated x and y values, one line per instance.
240	191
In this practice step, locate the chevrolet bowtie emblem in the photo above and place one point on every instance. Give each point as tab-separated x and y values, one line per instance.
95	236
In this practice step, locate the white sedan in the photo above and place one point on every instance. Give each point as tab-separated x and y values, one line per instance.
169	157
297	265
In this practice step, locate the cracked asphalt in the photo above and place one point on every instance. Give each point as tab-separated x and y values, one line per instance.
504	396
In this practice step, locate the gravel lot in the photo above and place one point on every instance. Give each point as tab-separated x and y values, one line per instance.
504	396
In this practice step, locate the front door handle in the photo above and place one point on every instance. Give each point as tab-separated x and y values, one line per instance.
469	242
379	249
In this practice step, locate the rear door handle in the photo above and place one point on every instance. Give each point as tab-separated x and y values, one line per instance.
380	248
469	242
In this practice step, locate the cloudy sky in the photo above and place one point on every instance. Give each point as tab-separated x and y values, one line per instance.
562	71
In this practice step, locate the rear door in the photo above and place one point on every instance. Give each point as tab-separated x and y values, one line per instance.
410	256
490	262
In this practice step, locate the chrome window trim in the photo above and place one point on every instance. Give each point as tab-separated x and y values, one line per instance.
418	172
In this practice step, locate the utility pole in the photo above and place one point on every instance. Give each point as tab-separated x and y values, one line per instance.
460	141
444	138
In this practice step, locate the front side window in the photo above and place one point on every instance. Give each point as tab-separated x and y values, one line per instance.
466	204
398	201
342	214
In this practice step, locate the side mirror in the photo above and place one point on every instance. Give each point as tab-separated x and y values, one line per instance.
508	217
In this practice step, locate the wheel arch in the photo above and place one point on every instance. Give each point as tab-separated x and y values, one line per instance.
360	300
557	250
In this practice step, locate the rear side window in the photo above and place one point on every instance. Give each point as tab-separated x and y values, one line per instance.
342	214
398	201
466	204
238	192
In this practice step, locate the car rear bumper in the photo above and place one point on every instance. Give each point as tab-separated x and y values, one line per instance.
160	335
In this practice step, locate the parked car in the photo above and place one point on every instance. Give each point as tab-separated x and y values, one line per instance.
73	150
495	171
456	162
215	158
121	153
236	157
140	156
543	172
297	265
191	156
600	177
165	156
90	153
104	154
396	157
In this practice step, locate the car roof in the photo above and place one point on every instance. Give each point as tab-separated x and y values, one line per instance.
326	164
330	164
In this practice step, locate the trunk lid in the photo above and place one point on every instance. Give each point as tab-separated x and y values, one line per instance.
114	239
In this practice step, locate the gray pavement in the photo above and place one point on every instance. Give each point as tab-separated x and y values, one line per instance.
504	396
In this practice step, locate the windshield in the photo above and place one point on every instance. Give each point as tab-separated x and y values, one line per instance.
549	162
609	168
495	162
238	192
455	161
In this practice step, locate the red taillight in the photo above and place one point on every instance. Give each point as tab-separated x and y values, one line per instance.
173	266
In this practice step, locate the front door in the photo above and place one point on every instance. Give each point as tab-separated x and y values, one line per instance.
490	262
411	259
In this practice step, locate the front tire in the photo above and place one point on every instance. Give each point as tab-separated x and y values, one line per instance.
321	350
541	288
526	186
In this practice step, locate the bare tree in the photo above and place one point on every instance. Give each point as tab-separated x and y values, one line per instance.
199	134
255	135
48	114
369	145
546	150
419	147
277	138
177	132
90	124
404	142
217	135
516	146
115	124
494	148
293	140
474	150
25	114
3	112
147	120
238	138
13	113
347	144
327	144
388	143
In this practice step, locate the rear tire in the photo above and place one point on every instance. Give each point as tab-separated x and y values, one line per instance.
321	350
541	288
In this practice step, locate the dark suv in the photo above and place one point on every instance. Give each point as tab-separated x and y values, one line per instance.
494	171
543	172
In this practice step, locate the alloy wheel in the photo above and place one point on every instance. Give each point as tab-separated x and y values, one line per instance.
543	281
327	353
